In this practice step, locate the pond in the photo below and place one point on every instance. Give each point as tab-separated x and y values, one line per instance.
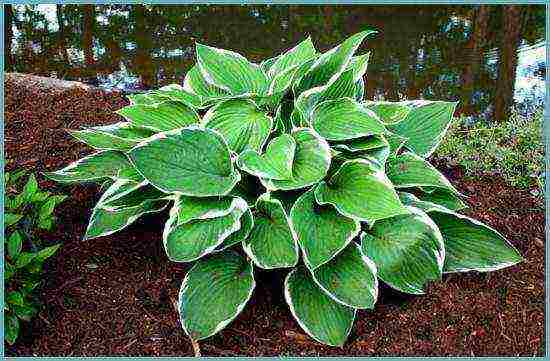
431	52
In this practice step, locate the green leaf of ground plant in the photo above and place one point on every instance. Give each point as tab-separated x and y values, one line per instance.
191	161
160	117
322	232
214	292
119	136
407	249
324	319
15	243
276	163
389	112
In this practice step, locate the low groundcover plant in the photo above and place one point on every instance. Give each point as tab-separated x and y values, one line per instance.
285	165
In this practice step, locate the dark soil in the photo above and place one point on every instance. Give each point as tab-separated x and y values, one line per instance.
114	295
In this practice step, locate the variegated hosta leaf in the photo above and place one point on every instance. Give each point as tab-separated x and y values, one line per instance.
160	117
472	246
411	200
359	90
192	231
281	122
121	205
311	162
361	144
272	242
389	112
360	190
349	278
119	136
296	56
275	163
231	71
178	93
324	319
322	232
358	65
214	292
247	222
191	161
344	119
267	63
396	143
148	98
444	198
95	167
407	249
331	64
410	170
194	82
425	125
241	123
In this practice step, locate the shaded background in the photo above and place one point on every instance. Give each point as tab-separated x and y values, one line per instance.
488	57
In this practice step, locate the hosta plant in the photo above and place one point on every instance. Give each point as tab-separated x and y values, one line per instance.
284	164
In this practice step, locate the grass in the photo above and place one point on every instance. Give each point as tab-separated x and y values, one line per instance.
513	149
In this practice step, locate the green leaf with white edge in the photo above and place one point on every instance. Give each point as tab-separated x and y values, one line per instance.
133	194
329	65
425	125
106	220
189	241
11	219
15	243
119	136
444	198
178	93
11	328
214	292
95	167
247	222
358	65
231	71
408	250
410	170
361	144
46	252
322	232
360	190
148	98
191	161
267	63
344	119
413	201
389	112
396	143
471	245
275	163
195	83
296	56
191	208
242	124
378	155
281	122
271	242
324	319
159	117
310	165
359	90
349	278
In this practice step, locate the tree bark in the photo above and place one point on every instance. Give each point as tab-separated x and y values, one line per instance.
143	62
475	50
8	31
508	61
62	45
87	34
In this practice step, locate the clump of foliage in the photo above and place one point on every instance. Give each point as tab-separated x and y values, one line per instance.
285	165
512	149
28	211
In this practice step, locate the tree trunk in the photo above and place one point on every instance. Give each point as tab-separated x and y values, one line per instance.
8	31
87	34
474	57
143	62
61	34
508	61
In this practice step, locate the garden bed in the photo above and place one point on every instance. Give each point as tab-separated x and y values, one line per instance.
114	295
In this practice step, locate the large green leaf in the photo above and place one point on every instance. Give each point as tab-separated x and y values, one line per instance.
322	232
296	56
214	292
272	242
194	82
276	163
425	125
231	71
119	136
410	170
97	166
444	198
247	222
324	319
360	190
178	93
191	161
389	112
159	117
358	65
310	165
349	278
241	123
407	249
472	246
344	119
359	145
186	240
331	63
107	219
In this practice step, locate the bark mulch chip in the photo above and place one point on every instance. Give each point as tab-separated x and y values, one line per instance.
115	295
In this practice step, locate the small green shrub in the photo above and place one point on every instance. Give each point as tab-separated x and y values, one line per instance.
27	212
285	165
511	149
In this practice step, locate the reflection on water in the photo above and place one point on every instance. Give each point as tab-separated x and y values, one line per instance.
434	52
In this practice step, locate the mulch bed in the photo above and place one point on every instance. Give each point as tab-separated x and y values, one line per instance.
114	295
